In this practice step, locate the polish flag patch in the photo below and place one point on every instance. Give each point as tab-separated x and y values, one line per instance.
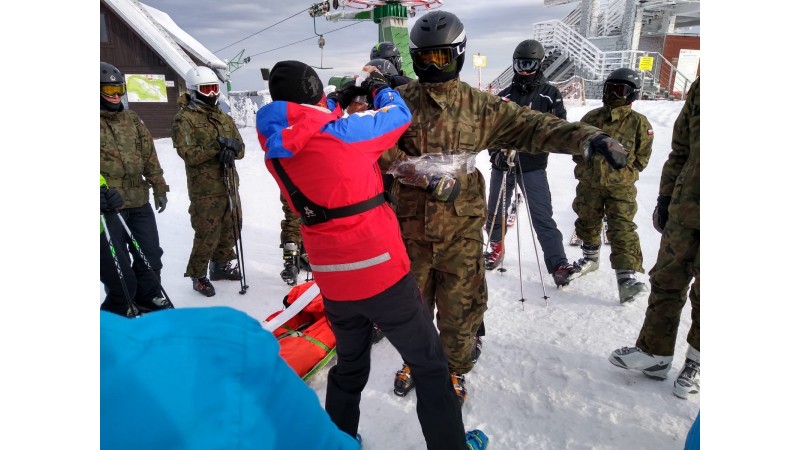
650	132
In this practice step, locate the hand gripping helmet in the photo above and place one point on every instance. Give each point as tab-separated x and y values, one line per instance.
438	42
388	51
622	87
528	56
384	65
203	85
112	83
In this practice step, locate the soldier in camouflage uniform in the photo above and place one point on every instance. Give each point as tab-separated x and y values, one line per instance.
602	191
295	258
129	164
444	238
208	142
677	217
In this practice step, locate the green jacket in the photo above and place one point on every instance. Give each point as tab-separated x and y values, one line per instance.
194	135
453	117
633	131
680	177
128	158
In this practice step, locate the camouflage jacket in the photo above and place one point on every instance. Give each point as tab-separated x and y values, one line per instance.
680	177
633	131
128	158
194	135
453	117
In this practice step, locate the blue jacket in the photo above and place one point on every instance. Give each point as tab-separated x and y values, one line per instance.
204	378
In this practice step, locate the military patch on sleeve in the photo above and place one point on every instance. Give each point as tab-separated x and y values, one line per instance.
505	99
650	132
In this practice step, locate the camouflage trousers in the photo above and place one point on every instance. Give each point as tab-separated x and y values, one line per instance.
678	262
213	234
618	204
290	225
451	276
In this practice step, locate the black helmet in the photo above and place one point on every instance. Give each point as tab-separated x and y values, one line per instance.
388	51
438	42
622	83
114	81
528	56
384	65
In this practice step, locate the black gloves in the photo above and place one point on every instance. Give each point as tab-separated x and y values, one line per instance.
229	150
610	148
661	212
499	160
160	202
374	83
110	200
345	94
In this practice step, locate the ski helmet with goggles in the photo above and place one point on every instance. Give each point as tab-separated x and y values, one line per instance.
437	43
384	65
622	87
112	83
528	56
203	85
388	51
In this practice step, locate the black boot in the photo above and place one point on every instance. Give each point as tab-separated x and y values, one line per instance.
203	286
224	270
155	304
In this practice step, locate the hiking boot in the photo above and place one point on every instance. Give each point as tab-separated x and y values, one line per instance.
688	382
155	304
403	383
630	288
653	366
458	384
221	270
477	440
564	273
494	256
476	349
589	262
377	334
203	286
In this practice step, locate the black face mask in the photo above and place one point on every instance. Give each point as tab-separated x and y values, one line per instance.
433	74
108	106
526	79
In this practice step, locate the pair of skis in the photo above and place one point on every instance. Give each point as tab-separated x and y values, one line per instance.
574	240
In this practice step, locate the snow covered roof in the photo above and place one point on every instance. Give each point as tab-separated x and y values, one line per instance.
166	37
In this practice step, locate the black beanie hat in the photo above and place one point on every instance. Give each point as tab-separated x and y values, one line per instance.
293	81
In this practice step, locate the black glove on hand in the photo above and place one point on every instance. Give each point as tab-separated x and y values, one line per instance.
661	212
231	143
610	148
160	202
375	83
444	188
227	157
110	200
345	95
499	160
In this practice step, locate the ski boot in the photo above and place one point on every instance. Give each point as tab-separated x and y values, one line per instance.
688	382
654	366
495	255
458	384
203	286
565	273
224	270
589	262
377	335
291	256
630	288
477	440
403	383
155	304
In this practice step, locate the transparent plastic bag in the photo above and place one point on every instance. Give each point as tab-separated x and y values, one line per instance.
420	170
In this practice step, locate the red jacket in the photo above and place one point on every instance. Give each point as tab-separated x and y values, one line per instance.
332	161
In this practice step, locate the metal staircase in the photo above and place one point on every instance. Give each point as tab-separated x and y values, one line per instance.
569	53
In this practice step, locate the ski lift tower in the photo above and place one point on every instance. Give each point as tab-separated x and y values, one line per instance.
391	17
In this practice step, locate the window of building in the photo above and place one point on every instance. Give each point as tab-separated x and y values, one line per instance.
103	29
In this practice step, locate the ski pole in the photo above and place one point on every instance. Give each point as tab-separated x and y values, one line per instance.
133	311
533	239
139	250
236	224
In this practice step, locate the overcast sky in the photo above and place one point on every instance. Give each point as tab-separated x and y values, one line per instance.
494	28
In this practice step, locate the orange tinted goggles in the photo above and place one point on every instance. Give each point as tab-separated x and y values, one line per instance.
110	90
209	89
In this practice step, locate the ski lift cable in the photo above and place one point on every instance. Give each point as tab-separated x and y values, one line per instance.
303	40
261	31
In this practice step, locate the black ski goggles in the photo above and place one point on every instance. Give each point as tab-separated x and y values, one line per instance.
441	57
527	65
620	90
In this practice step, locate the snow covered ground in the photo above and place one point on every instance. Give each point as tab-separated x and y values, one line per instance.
543	380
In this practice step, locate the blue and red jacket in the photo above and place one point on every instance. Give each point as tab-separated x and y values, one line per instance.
333	161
